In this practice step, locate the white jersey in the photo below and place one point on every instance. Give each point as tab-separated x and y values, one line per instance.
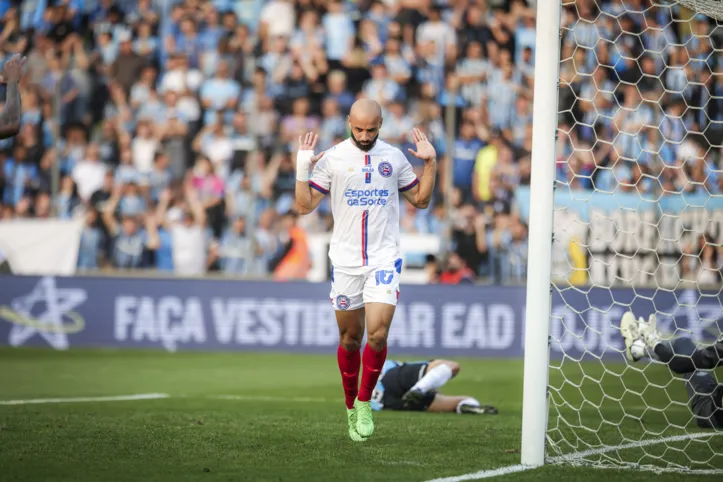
364	188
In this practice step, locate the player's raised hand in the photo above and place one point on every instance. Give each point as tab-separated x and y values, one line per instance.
425	149
13	69
308	142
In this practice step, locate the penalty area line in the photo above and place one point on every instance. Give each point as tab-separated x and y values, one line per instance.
264	398
114	398
486	474
154	396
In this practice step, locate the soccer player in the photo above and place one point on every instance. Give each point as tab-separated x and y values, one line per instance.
364	177
414	386
10	116
705	394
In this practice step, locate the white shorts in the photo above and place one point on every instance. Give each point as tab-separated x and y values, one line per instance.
351	288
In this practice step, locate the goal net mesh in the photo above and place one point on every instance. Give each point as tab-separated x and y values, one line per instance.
638	226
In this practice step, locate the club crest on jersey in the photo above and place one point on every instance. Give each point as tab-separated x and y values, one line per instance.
343	302
385	169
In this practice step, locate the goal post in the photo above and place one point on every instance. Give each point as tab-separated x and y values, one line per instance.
542	184
625	213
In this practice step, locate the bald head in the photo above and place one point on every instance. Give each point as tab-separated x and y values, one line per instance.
365	120
364	109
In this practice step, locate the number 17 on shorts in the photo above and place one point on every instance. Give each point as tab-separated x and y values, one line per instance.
351	288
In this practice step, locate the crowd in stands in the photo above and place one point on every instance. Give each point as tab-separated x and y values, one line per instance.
174	123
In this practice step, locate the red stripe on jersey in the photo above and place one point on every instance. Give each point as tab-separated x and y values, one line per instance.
368	175
365	236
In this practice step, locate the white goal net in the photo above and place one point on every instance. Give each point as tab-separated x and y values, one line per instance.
638	225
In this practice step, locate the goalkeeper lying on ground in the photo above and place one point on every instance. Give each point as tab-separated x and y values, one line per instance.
642	340
413	386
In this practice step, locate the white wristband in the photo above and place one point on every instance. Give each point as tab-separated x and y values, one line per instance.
303	163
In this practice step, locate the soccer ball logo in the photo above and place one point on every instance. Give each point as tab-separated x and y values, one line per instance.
342	302
385	169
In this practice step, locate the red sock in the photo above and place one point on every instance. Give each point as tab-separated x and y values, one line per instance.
349	362
372	363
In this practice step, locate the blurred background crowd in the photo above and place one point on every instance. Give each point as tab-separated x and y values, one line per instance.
170	126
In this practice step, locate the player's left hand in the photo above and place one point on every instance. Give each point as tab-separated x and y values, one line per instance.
425	150
13	69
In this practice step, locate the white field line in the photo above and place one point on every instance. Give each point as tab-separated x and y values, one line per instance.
632	445
667	470
486	474
152	396
264	398
116	398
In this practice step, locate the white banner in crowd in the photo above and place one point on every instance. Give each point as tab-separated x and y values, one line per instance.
50	247
40	247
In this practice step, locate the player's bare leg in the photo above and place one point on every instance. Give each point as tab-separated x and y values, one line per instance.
351	333
453	365
460	404
379	319
437	374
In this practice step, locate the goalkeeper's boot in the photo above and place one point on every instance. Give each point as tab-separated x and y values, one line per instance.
478	410
364	419
351	418
413	399
630	329
649	332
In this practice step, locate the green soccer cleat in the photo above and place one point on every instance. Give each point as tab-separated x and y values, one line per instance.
364	420
353	434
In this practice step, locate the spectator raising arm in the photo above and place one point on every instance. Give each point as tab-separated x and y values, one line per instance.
10	116
153	241
164	202
196	206
480	228
109	210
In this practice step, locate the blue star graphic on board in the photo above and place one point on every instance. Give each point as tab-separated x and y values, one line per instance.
50	324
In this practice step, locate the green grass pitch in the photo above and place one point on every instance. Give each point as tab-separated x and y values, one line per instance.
264	435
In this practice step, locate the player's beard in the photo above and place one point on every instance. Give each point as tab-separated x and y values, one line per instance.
364	147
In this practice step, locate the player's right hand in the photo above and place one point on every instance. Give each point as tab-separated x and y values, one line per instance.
308	143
